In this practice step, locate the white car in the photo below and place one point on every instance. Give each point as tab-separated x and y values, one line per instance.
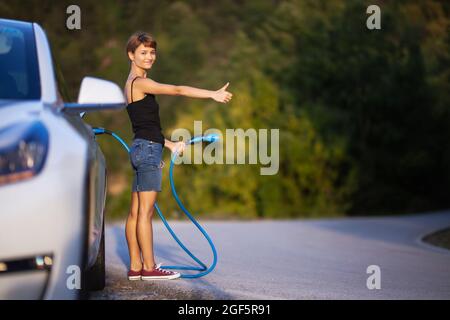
52	174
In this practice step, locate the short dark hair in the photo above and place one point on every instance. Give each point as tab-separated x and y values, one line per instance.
138	38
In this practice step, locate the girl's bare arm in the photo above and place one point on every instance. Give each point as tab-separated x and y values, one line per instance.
150	86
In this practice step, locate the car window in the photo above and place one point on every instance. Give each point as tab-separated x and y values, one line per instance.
19	70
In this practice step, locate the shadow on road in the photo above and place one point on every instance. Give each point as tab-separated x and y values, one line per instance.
198	288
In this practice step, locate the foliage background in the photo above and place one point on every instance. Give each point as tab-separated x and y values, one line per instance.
363	115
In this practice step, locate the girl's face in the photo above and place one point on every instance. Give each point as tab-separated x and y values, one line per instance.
143	56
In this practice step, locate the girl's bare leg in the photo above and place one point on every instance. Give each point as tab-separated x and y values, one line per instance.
145	228
131	234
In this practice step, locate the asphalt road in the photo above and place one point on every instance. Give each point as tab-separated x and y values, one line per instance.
300	259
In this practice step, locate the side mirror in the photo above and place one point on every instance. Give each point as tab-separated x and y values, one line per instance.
96	94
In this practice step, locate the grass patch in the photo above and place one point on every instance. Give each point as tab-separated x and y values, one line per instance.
440	238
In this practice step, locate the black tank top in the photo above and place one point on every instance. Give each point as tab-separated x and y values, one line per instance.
144	117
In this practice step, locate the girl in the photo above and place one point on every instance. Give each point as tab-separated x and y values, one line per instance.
146	152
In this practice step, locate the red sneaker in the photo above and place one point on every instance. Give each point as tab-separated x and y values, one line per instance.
134	275
159	274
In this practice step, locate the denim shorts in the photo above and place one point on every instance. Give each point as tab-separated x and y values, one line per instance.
145	157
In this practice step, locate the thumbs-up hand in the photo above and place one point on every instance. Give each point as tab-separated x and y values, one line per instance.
222	95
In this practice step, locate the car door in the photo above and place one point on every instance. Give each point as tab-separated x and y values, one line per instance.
97	175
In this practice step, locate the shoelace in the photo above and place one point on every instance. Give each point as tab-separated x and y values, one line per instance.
162	270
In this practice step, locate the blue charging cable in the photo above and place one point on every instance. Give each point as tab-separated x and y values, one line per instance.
202	269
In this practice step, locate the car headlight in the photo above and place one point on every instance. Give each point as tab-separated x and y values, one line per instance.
23	150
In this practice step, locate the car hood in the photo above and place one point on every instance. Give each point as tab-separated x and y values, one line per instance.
12	111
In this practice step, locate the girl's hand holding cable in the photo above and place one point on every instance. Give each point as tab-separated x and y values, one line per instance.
178	146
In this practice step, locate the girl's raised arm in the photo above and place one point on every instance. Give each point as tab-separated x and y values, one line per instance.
150	86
